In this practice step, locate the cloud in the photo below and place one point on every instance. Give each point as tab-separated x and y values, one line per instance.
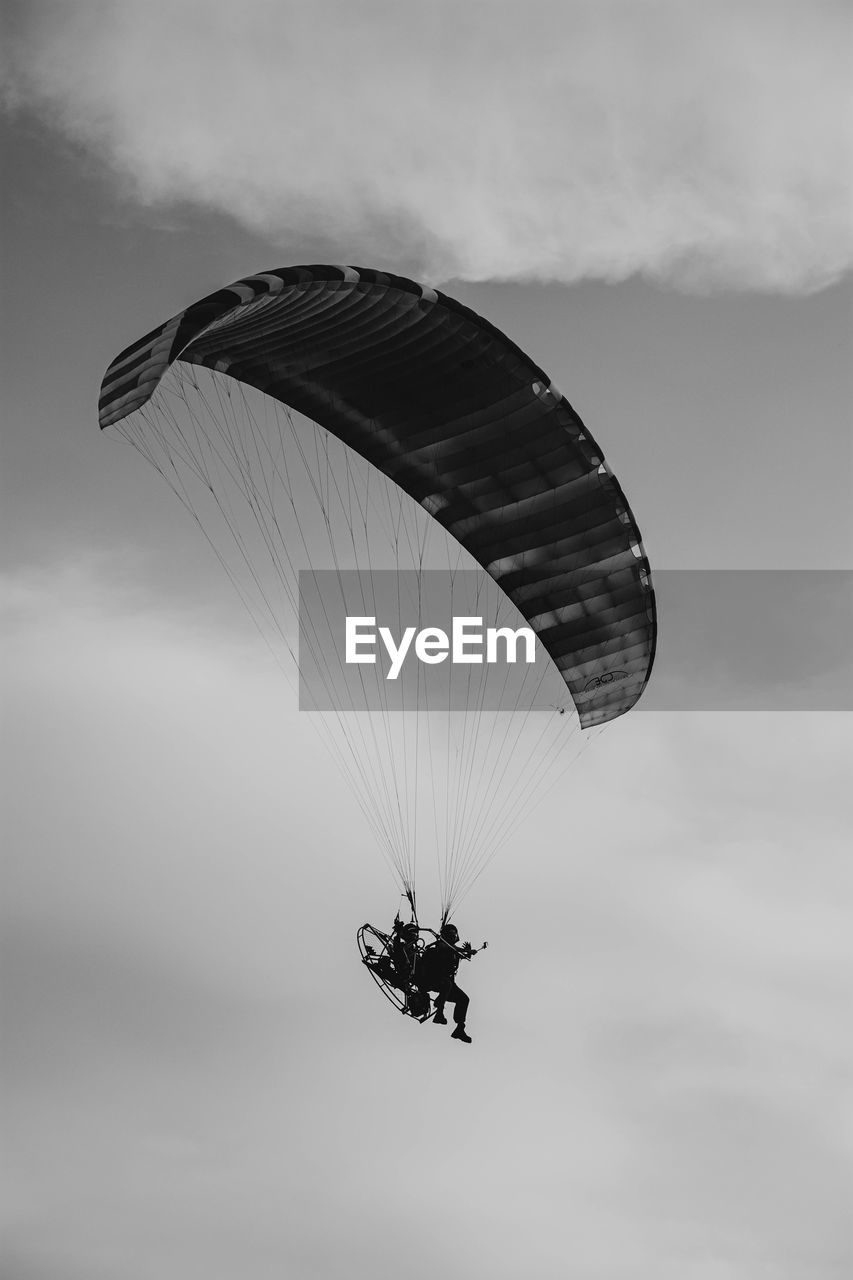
703	146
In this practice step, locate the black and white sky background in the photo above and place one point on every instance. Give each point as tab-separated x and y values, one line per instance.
654	200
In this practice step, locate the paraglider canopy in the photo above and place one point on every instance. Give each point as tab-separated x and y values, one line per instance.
421	420
456	415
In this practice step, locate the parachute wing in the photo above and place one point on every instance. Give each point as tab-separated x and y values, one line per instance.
459	418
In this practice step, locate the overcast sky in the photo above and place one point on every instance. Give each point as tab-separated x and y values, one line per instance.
653	200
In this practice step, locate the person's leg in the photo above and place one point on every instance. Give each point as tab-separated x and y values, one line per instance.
460	1004
460	1012
444	993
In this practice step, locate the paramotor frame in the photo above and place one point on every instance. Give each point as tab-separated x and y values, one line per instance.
375	948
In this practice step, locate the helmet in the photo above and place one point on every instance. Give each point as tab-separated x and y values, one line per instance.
450	933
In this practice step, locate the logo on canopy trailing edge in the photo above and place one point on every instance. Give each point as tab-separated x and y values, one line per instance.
608	677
